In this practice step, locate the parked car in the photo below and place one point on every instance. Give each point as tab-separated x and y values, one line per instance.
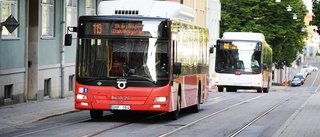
296	82
305	71
306	68
300	76
313	68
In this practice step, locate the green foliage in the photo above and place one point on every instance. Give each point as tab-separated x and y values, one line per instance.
272	19
316	10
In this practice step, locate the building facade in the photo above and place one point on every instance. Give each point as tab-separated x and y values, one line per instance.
35	64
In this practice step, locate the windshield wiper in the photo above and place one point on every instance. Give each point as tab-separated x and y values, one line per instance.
98	78
90	79
225	70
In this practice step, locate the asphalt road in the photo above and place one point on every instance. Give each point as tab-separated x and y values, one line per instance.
244	114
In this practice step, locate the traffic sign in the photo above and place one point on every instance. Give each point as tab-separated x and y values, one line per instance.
11	24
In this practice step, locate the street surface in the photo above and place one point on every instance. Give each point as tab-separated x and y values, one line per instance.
243	114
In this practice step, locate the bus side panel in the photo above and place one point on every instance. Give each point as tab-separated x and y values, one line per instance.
189	90
204	87
266	79
139	98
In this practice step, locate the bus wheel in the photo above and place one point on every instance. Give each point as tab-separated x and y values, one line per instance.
195	108
96	114
174	114
220	89
259	90
265	90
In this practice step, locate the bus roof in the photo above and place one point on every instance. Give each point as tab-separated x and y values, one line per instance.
147	8
251	36
117	17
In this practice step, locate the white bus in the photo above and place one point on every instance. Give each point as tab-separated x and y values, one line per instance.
243	61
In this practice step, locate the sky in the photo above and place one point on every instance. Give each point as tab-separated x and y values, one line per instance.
308	4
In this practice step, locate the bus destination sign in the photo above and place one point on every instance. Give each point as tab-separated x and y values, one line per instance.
114	28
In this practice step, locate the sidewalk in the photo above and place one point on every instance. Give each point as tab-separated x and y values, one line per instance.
22	113
305	122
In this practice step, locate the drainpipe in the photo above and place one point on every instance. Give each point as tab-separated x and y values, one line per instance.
62	61
26	56
195	9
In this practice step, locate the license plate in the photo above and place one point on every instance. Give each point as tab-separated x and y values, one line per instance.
120	107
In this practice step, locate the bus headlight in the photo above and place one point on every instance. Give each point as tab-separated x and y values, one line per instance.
81	96
160	99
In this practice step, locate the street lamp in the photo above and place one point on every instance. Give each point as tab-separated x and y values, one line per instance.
289	8
294	16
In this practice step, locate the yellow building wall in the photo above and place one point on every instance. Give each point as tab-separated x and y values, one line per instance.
200	10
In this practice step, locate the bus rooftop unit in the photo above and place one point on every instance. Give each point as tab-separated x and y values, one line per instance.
147	8
128	58
243	61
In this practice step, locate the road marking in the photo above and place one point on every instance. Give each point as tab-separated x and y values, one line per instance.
210	115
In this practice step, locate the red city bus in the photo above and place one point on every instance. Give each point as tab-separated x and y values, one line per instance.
128	63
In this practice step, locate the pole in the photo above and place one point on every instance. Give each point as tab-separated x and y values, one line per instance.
285	76
62	67
26	54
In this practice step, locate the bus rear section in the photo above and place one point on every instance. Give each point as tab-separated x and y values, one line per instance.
243	64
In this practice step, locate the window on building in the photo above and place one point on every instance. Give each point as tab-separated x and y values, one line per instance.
90	7
47	87
9	7
8	91
71	82
47	20
71	13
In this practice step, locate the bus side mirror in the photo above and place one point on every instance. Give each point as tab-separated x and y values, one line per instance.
211	50
68	39
177	68
264	66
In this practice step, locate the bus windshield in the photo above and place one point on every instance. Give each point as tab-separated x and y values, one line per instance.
129	58
238	56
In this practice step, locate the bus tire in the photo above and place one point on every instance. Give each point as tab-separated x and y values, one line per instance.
259	90
174	114
195	108
220	89
265	90
96	114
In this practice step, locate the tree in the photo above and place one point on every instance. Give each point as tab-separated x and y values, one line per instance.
315	10
272	19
